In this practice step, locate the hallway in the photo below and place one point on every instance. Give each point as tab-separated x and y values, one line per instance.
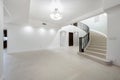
59	64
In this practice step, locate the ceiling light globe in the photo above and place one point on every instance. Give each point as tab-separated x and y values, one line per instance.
56	15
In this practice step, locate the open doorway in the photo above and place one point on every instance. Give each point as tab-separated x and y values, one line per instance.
5	39
70	39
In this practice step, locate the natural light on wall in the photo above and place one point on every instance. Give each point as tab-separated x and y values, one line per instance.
97	23
28	29
52	31
42	31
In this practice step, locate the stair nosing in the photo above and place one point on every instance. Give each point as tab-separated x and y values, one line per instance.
89	48
95	57
95	52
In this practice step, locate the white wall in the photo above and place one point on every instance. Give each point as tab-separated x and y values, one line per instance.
113	45
110	3
73	29
76	39
28	38
65	36
1	37
98	23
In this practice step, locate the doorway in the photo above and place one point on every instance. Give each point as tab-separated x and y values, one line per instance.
70	39
5	38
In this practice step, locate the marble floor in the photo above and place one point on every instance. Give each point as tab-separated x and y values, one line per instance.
56	64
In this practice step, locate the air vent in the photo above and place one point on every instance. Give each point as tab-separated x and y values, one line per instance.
44	24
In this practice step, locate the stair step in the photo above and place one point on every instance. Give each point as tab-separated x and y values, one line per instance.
96	46
100	44
96	49
101	55
97	59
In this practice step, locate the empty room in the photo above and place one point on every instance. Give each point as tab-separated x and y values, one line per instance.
59	40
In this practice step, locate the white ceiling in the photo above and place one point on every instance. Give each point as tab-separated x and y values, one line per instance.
35	12
39	9
16	11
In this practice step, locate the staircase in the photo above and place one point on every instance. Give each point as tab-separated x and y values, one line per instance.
96	50
97	42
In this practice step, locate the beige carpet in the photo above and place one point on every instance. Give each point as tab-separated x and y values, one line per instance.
57	64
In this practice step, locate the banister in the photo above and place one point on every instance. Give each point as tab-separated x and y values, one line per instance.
83	41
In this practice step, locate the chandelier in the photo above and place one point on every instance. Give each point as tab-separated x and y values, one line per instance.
56	14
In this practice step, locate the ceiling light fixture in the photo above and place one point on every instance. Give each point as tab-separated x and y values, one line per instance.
56	14
56	10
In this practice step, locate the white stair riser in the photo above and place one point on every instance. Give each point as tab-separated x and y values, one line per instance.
98	44
100	47
97	50
97	60
96	54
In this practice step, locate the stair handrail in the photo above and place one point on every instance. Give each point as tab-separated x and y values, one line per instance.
83	41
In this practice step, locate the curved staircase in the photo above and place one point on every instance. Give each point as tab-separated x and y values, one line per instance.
97	48
93	45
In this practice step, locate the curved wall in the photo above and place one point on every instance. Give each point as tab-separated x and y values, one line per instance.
62	36
98	23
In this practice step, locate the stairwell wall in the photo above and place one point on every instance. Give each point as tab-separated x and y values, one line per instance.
113	42
97	23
